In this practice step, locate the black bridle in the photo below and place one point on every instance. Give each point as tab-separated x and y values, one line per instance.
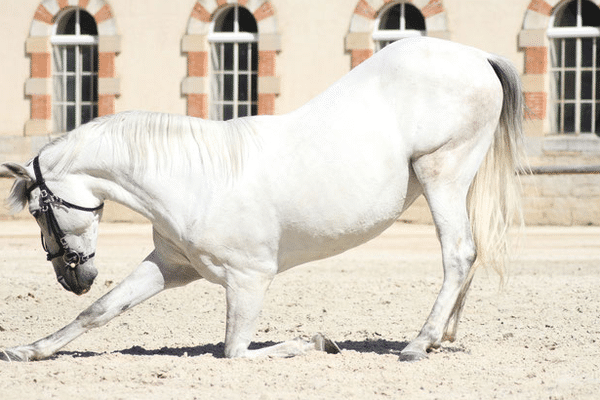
71	257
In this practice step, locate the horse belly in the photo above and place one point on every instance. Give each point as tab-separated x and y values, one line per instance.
334	215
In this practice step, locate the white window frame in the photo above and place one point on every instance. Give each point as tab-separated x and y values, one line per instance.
557	36
217	41
383	37
81	43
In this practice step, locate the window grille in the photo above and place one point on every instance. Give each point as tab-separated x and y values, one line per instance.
75	70
398	21
234	64
575	68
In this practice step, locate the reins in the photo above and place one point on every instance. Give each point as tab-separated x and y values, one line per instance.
71	257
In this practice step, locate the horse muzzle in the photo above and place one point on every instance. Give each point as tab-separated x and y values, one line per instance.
78	279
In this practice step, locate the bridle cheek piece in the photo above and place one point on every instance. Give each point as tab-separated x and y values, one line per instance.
71	257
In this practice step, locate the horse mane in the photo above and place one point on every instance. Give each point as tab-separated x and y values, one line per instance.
148	141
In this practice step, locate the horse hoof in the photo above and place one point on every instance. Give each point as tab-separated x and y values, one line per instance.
9	356
322	343
412	356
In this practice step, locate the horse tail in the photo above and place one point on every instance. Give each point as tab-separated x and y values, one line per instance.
494	199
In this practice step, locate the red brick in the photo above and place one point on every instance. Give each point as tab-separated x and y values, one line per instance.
198	63
536	105
40	65
360	55
197	105
432	8
42	14
62	4
106	65
364	9
106	104
266	10
83	3
540	6
40	106
266	103
266	63
536	60
200	13
103	14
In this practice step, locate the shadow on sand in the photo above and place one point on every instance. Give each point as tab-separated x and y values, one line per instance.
379	346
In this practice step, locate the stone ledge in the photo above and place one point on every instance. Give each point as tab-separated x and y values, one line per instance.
532	38
359	41
269	42
194	43
109	86
38	86
38	44
109	44
269	85
584	143
37	127
194	85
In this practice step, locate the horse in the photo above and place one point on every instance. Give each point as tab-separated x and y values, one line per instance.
236	202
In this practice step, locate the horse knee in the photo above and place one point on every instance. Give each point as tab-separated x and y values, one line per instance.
97	315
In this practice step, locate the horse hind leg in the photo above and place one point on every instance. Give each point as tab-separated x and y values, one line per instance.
452	325
447	198
245	293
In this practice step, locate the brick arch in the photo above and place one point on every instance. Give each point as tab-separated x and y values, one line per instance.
362	24
39	85
195	44
533	40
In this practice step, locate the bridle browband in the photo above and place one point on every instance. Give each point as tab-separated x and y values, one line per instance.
71	257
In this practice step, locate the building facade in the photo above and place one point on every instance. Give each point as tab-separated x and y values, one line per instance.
68	61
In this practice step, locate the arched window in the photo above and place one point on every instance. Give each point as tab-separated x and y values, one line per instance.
75	69
574	34
234	64
398	21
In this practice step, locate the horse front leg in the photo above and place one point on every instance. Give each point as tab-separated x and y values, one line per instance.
245	292
144	282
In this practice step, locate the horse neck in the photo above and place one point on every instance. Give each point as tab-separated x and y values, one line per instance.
160	187
76	164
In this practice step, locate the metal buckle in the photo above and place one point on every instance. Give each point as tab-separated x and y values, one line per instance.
72	259
47	198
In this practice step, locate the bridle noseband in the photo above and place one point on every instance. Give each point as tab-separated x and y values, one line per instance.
71	257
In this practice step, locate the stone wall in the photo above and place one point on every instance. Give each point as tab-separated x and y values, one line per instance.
562	199
552	199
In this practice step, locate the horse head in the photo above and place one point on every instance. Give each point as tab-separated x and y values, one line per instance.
69	232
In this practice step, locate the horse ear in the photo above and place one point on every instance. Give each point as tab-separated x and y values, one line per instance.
18	171
17	199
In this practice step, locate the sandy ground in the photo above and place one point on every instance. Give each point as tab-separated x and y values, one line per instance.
539	338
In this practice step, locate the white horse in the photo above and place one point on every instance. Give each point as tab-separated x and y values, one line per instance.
237	202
